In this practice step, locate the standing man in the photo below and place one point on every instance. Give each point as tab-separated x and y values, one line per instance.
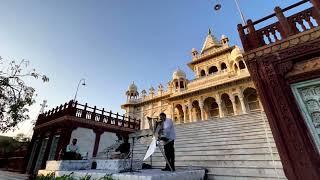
168	135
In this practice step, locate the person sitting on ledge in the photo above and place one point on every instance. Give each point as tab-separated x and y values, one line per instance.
72	151
124	150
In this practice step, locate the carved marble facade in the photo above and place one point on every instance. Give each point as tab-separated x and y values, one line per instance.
221	87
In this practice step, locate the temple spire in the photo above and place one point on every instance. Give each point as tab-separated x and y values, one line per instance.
210	42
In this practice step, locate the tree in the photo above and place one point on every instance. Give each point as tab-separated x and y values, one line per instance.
20	137
15	94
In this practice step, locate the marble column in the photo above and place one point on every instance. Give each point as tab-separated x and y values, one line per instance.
172	112
218	100
243	106
184	113
234	107
189	110
201	109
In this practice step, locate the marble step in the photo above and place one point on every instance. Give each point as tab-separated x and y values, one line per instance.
212	123
231	163
246	118
230	130
222	177
221	157
218	152
255	172
252	132
196	147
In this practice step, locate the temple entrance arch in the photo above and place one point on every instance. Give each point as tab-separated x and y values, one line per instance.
251	99
226	105
211	108
178	114
196	111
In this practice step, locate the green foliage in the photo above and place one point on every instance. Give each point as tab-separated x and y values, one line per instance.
45	177
86	177
15	94
20	137
65	177
9	145
70	177
106	177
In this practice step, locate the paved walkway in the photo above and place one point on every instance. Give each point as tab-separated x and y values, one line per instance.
6	175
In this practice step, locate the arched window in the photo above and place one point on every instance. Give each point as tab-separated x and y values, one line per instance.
202	73
181	84
223	66
177	84
241	65
213	69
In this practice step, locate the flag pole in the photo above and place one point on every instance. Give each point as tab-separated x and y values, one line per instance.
240	12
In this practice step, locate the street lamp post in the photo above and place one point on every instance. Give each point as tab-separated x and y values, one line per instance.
83	84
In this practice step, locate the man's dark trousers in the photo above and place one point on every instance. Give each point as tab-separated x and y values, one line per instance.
169	152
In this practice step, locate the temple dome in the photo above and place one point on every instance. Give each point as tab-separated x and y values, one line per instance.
132	87
236	53
178	74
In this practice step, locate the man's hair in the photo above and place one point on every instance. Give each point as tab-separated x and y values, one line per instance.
163	114
74	139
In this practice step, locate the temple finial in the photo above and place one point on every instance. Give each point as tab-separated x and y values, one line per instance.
209	31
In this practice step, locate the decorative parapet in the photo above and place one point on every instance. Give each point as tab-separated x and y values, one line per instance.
284	44
217	78
74	109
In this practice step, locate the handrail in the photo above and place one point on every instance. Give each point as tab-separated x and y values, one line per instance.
283	28
274	14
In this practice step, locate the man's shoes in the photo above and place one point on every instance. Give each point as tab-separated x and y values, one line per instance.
165	169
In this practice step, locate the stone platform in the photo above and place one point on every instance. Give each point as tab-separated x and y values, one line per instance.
114	165
146	174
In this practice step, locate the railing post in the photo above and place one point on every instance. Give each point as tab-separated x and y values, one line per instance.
316	12
102	115
116	120
134	123
122	123
129	122
109	118
84	112
253	39
93	115
286	29
243	37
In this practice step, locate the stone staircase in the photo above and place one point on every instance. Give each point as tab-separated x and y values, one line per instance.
235	147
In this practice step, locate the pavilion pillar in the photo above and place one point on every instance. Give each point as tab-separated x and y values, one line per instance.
96	142
63	141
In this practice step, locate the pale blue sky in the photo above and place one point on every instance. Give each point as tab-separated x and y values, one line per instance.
111	43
